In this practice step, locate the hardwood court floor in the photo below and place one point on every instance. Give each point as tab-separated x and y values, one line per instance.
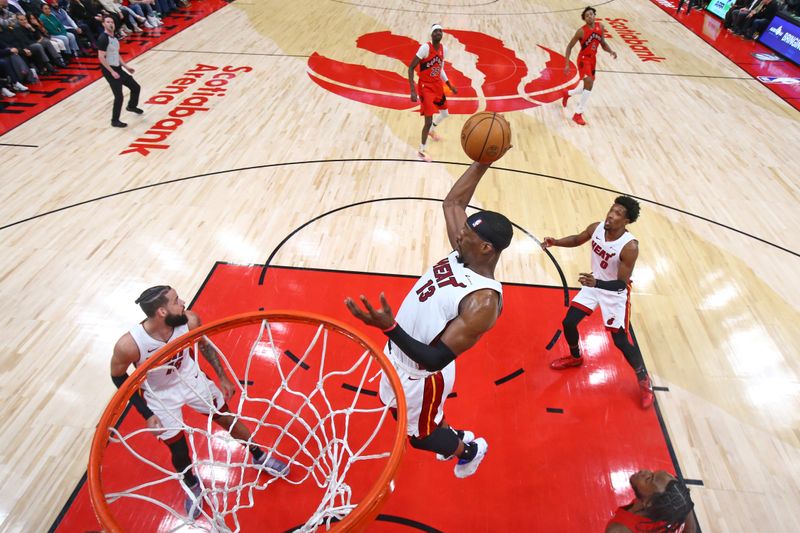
83	229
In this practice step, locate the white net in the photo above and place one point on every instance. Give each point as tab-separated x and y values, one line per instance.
317	411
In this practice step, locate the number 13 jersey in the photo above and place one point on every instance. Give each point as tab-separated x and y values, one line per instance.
433	303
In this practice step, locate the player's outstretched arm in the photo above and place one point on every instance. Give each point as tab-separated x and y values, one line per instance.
456	201
432	357
573	240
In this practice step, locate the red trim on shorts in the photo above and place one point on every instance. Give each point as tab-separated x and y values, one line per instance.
628	314
431	399
581	307
174	439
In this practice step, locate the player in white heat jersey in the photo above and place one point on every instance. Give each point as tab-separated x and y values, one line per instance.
180	382
450	307
614	254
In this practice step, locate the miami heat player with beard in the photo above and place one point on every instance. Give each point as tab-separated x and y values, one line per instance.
450	307
177	383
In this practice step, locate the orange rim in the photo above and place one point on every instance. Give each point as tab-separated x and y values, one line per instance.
365	511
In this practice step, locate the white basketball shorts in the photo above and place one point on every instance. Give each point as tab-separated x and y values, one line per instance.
615	306
425	398
194	390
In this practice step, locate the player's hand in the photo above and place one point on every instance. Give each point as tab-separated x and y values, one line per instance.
382	319
154	423
130	69
413	95
228	388
587	279
115	74
614	55
455	91
548	242
566	68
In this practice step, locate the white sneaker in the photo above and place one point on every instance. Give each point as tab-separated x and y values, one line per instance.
19	87
272	465
7	93
467	469
147	25
468	437
193	503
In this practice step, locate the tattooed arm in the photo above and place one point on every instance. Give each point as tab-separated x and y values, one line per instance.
211	355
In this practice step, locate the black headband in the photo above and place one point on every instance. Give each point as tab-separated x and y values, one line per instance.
492	227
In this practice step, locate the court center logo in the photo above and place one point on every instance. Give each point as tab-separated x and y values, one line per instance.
505	86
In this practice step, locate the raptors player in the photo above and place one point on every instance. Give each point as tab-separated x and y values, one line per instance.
430	59
590	37
450	307
179	382
614	254
662	505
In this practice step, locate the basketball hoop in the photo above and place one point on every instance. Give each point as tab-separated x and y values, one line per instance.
316	410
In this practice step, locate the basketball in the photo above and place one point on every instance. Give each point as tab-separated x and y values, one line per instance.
485	137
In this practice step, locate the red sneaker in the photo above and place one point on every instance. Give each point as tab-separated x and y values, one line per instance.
434	136
564	99
578	119
646	390
566	362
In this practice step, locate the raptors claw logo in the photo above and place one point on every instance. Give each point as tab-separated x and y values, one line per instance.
502	89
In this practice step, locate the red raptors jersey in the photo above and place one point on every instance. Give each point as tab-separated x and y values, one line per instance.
591	40
632	521
430	67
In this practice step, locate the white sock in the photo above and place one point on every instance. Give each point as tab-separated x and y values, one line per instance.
421	147
582	104
576	90
443	114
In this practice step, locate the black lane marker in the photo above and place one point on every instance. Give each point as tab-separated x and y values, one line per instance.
452	395
554	340
555	410
353	388
407	522
696	482
663	389
296	360
510	376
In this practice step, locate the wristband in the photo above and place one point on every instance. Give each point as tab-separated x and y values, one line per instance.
390	328
136	399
